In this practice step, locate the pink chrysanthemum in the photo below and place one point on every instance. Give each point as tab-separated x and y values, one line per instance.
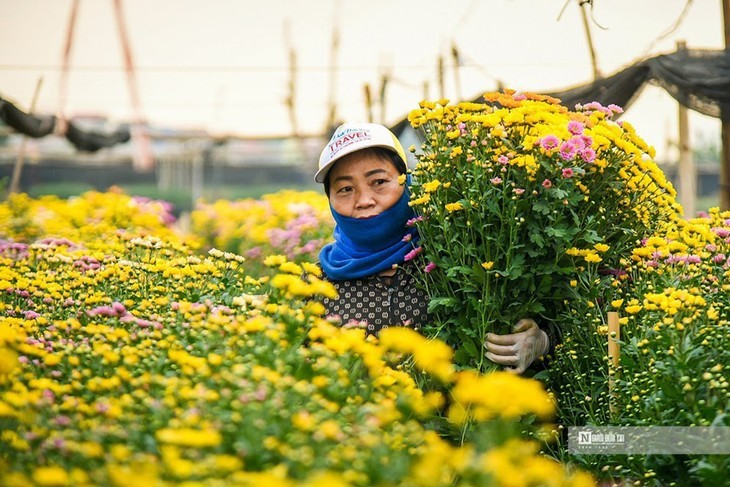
575	128
429	267
567	172
588	154
568	151
415	220
547	184
615	108
578	141
549	142
413	254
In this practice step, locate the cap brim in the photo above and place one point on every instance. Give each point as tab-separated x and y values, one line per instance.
321	174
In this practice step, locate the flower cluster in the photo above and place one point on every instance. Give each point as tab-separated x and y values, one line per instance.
295	224
127	358
674	306
518	196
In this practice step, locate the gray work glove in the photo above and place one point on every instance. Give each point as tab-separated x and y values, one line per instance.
519	349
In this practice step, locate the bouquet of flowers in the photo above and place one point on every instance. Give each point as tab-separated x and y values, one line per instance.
518	198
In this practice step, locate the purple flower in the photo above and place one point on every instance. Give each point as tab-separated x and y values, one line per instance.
429	267
575	128
549	142
412	254
102	310
415	220
588	154
615	108
578	141
119	308
63	420
253	253
694	259
568	151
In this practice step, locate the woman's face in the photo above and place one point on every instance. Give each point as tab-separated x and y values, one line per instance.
363	185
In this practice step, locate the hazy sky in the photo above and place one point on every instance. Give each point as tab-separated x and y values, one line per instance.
223	65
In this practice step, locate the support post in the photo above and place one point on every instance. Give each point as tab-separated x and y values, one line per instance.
614	335
725	154
687	174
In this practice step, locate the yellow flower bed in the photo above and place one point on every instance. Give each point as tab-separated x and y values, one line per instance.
126	358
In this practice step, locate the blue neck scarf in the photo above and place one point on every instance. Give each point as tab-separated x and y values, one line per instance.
365	247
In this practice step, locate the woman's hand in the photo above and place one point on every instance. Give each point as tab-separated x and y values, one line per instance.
519	349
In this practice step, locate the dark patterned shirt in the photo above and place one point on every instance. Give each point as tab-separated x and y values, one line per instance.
377	302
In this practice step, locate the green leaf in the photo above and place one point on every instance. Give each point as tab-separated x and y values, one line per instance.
541	207
537	239
558	232
458	271
442	302
470	348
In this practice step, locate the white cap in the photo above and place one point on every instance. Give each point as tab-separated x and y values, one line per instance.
351	137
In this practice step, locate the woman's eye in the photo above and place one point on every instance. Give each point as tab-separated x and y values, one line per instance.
344	190
378	182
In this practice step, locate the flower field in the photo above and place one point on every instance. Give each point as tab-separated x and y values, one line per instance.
131	354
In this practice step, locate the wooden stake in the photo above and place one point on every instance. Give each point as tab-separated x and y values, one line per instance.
614	335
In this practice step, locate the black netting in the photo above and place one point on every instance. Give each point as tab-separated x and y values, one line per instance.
699	80
24	123
619	89
90	141
40	126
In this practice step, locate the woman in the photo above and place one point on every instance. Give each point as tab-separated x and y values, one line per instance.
364	172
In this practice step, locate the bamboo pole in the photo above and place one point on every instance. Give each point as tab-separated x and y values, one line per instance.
589	39
614	335
725	127
368	103
457	66
687	174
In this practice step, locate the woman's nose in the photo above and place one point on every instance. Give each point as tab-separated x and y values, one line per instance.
364	199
